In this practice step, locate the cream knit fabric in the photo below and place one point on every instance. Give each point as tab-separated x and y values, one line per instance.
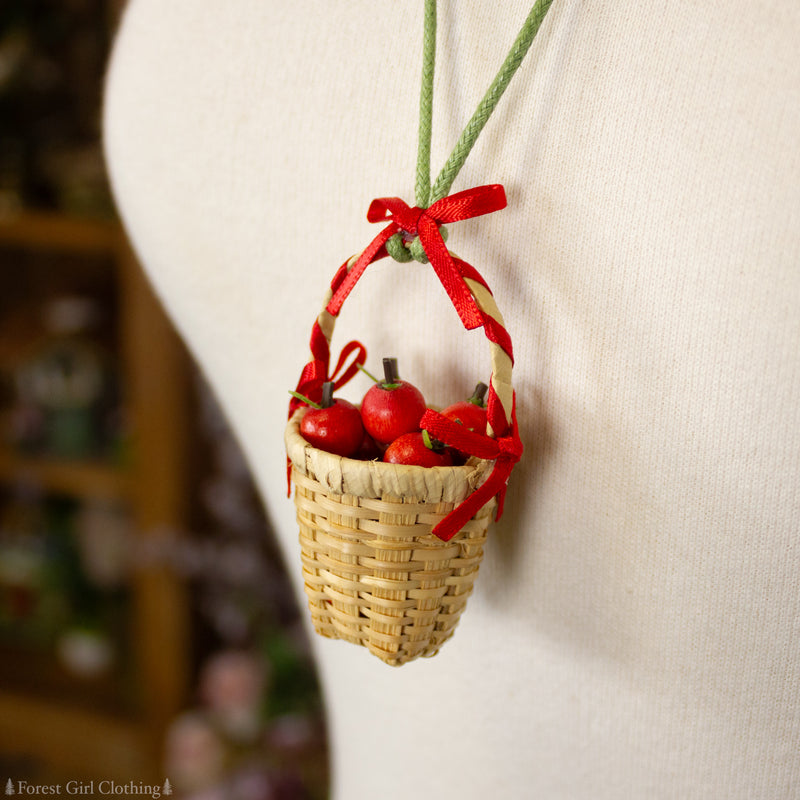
634	630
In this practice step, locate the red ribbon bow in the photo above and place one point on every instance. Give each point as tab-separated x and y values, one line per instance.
315	373
425	222
505	451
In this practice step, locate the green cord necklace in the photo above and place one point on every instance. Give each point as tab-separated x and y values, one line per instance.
426	194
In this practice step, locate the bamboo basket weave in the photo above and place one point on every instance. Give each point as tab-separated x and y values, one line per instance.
374	573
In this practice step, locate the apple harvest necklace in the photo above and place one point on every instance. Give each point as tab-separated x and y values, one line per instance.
390	551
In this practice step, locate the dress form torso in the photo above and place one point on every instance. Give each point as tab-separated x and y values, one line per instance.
633	629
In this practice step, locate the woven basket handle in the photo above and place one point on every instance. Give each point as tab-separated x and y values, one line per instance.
500	396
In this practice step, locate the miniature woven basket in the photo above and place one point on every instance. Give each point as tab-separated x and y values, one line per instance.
376	573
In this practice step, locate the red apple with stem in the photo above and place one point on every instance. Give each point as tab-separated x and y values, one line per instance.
391	407
333	425
470	413
418	449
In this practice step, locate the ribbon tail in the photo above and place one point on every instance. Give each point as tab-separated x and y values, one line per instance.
465	511
456	435
449	274
370	254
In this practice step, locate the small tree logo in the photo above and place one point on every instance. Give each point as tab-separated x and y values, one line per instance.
10	787
167	789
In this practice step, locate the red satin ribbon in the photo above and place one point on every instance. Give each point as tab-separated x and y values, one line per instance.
315	373
425	222
505	451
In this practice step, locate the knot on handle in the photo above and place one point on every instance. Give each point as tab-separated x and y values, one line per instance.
405	246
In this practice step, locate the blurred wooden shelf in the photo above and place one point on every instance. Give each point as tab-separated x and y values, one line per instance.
79	743
34	670
52	231
42	721
81	479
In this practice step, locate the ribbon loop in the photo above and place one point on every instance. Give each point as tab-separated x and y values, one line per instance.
469	203
393	208
315	373
340	376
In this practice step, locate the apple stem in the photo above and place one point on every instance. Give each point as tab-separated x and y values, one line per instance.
305	399
430	442
327	394
479	394
368	373
390	372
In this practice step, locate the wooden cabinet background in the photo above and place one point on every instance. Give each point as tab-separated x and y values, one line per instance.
83	728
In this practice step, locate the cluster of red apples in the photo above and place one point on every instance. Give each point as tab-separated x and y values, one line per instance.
387	425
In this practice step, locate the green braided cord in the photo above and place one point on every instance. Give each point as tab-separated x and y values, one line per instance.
442	185
423	186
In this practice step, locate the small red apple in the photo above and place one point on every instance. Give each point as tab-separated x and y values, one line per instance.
334	425
369	449
391	407
470	413
417	449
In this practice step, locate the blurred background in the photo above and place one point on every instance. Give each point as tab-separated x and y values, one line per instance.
148	633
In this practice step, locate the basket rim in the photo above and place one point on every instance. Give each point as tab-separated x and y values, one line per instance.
378	479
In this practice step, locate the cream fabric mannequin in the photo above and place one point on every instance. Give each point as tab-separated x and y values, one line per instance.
634	629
